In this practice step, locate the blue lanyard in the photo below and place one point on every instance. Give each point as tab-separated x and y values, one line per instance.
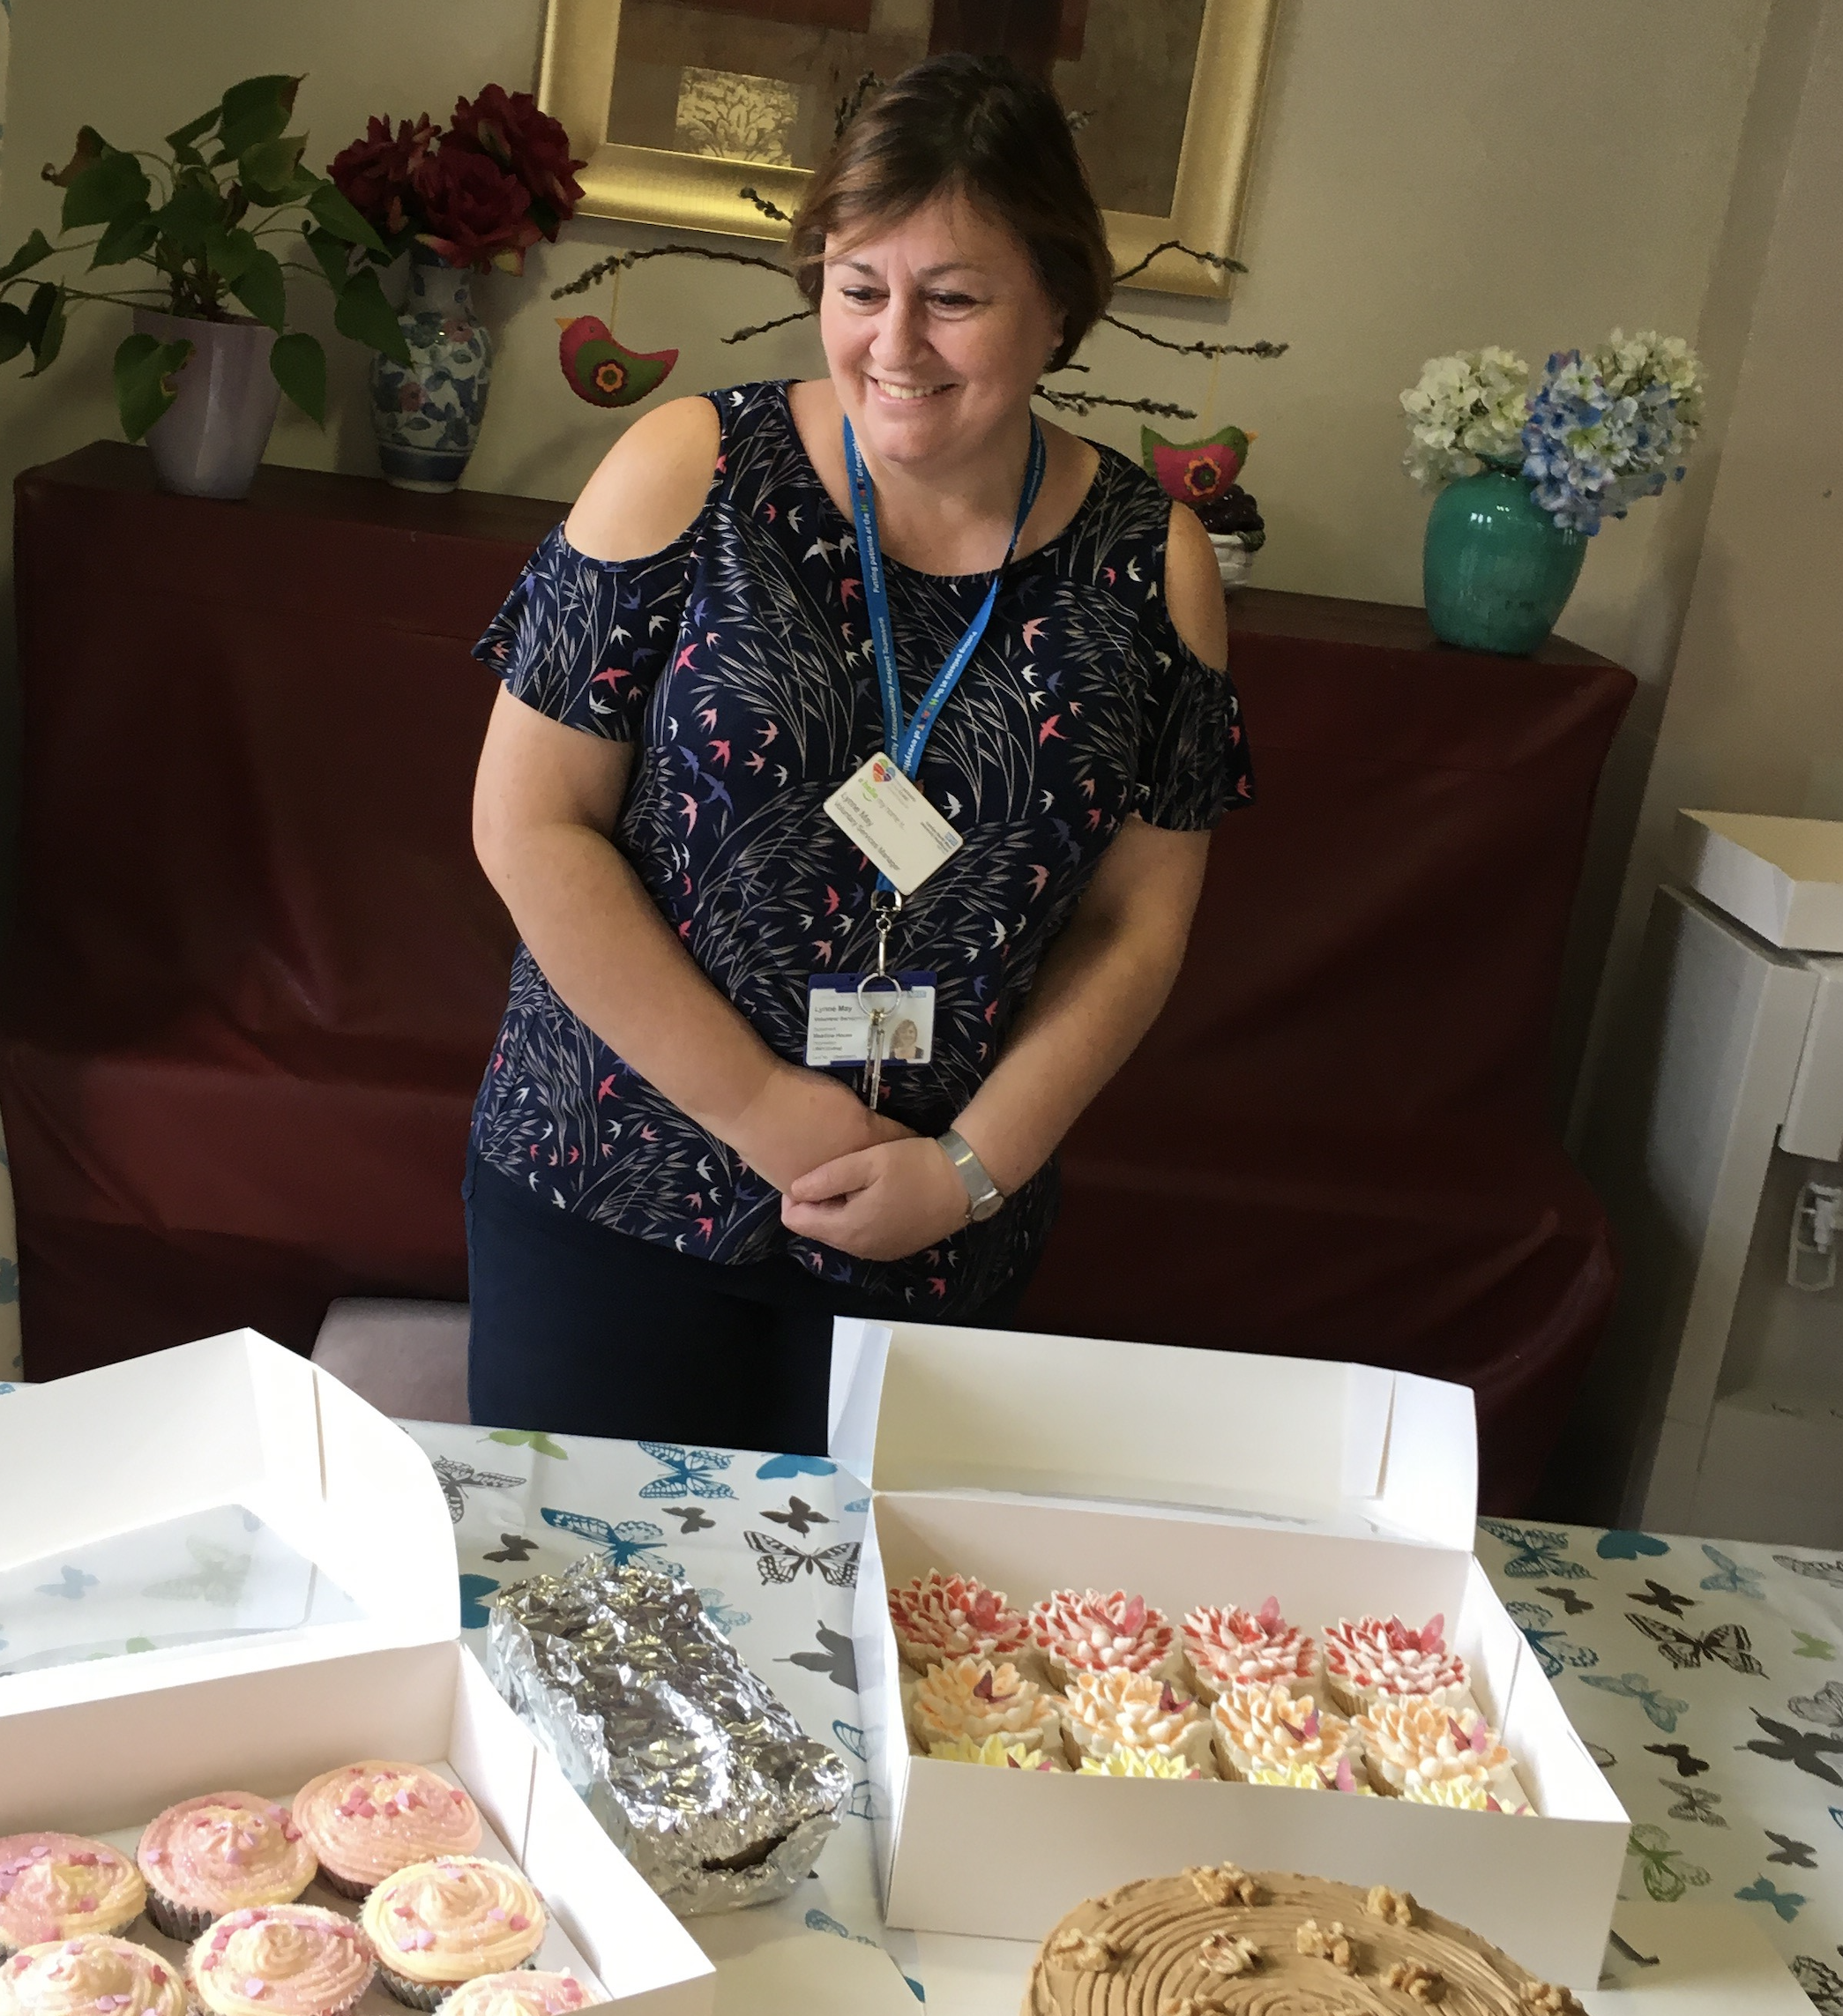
902	743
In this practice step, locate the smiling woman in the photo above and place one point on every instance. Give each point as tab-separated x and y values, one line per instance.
851	788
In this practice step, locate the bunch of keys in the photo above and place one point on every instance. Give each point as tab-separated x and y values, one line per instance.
886	903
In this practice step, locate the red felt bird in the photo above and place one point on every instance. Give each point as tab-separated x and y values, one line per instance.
604	371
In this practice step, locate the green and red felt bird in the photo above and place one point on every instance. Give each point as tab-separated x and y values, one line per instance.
604	371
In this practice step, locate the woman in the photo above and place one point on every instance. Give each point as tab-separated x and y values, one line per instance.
667	1202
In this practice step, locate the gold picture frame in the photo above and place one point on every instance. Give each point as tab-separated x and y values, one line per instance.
697	191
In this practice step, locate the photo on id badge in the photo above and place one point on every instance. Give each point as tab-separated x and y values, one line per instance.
838	1019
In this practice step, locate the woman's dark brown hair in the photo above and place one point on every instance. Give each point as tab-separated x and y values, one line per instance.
980	128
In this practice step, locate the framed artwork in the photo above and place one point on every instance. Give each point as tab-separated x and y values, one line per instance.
679	104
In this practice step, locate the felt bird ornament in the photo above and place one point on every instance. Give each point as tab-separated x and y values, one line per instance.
604	371
1194	471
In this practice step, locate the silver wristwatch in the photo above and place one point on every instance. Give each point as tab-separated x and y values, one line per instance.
984	1196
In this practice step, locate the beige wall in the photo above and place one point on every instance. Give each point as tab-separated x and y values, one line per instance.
1432	174
1754	721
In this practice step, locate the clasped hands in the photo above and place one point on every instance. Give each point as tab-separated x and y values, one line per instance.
849	1178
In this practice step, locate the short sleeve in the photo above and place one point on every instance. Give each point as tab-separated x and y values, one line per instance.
585	640
1193	756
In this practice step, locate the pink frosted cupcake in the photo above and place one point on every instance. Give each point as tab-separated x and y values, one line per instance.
943	1616
80	1977
218	1852
1231	1648
279	1960
1381	1658
525	1993
53	1886
448	1922
1273	1729
1084	1632
973	1698
366	1821
1106	1711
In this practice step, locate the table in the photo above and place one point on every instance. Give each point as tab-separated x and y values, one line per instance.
1707	1679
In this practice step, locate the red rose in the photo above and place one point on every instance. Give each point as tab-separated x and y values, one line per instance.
476	215
509	128
375	175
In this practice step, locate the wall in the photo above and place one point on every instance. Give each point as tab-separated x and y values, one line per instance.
1433	173
1752	722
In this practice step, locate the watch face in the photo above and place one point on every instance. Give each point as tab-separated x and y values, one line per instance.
988	1207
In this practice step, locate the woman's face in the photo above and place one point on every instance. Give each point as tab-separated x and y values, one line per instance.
936	330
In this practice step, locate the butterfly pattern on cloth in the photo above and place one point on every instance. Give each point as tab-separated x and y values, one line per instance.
1825	1705
1728	1645
850	1737
836	1658
457	1478
692	1519
513	1547
779	1563
1667	1876
1663	1599
1821	1983
1810	1646
1573	1606
799	1517
1662	1709
691	1473
1627	1545
1794	1855
624	1543
1762	1890
1693	1803
1537	1552
1830	1571
717	1609
1687	1764
1552	1648
1806	1748
72	1584
737	660
219	1577
1730	1577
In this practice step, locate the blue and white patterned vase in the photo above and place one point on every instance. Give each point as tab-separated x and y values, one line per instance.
427	414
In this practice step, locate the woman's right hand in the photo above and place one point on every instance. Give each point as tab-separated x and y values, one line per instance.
802	1119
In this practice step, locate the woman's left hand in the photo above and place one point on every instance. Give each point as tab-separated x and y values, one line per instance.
879	1204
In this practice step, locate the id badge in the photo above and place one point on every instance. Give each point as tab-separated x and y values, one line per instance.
889	818
838	1020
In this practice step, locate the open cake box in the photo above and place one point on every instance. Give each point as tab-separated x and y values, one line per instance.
224	1571
1191	1477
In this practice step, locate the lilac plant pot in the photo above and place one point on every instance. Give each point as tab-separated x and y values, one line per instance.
209	443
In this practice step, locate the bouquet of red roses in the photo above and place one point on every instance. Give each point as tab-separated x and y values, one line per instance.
478	194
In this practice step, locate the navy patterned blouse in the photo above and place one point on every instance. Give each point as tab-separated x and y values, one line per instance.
739	661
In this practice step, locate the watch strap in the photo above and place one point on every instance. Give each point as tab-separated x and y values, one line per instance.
984	1196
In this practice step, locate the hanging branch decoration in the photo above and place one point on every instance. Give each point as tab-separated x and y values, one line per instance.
1261	349
767	209
1082	403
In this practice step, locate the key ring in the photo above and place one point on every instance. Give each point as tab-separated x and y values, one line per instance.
890	980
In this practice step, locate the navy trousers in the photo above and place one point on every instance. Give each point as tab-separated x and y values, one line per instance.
586	1331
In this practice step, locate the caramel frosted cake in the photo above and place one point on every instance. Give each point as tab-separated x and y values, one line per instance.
1216	1942
1380	1659
943	1616
1233	1647
974	1697
1121	1710
1082	1630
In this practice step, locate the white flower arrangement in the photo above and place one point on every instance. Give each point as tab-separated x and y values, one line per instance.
1596	433
1467	405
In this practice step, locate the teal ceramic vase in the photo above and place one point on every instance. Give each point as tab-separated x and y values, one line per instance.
427	414
1497	571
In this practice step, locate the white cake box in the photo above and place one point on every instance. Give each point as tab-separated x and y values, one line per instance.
346	1648
1194	1477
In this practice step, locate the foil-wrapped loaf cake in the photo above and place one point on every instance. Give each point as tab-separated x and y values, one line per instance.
699	1775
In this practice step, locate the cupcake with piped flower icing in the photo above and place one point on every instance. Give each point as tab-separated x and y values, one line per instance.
940	1616
1381	1658
1419	1742
1466	1796
1339	1777
974	1697
1138	1764
1082	1630
1272	1728
525	1992
214	1853
90	1976
1231	1648
366	1821
1106	1711
279	1960
448	1922
55	1886
994	1751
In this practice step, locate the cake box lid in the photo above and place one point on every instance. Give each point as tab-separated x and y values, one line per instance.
1345	1449
221	1507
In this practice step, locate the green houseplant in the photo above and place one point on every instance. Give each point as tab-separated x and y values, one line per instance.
210	217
